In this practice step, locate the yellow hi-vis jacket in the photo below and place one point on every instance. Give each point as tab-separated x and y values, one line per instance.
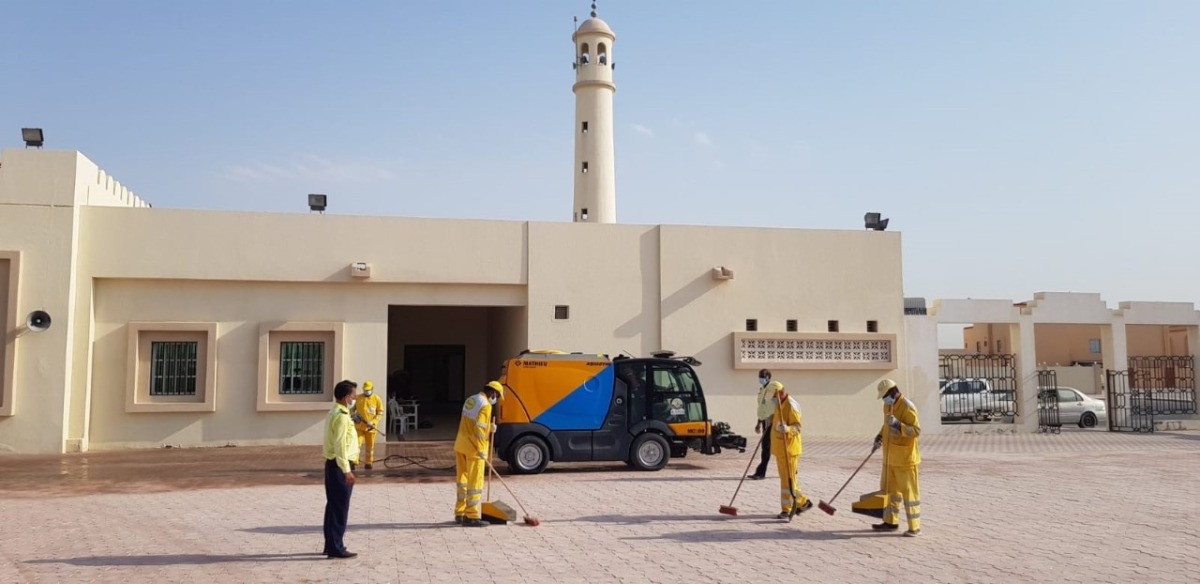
370	411
474	426
788	416
900	440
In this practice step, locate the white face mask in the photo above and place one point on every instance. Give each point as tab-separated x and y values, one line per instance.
492	400
367	393
763	380
889	400
351	404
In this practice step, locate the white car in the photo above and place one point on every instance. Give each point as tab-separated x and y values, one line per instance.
1075	407
974	399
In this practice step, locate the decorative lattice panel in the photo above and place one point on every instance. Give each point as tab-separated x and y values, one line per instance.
827	352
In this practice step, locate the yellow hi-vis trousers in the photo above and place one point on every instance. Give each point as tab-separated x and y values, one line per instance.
901	487
367	437
782	462
469	471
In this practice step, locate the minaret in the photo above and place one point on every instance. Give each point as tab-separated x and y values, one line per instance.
595	163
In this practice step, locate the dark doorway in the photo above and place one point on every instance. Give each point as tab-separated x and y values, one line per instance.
437	372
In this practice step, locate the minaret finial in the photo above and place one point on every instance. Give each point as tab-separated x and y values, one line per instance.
593	10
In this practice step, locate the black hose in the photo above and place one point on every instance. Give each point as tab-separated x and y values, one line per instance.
400	461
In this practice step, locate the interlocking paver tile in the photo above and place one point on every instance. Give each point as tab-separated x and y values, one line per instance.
997	507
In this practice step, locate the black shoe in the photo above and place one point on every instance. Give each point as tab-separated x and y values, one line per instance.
343	555
784	515
756	477
885	526
458	519
368	466
474	523
802	508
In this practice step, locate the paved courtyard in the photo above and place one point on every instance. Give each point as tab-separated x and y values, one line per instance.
1083	506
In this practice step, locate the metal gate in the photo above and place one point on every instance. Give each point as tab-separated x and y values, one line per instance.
1128	406
978	388
1048	420
1170	381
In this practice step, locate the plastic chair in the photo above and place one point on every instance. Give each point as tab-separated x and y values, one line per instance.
399	420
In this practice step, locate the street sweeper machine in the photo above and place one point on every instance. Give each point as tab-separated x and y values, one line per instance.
568	407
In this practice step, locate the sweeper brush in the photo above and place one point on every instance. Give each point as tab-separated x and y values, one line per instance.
730	509
828	507
529	519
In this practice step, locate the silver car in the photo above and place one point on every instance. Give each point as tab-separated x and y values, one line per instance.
1075	407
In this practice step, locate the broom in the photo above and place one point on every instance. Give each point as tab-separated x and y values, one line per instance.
828	507
730	509
529	519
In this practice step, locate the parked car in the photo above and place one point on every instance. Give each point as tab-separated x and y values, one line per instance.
1075	407
974	399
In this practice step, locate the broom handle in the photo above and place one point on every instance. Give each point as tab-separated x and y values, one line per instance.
748	463
506	487
491	446
855	473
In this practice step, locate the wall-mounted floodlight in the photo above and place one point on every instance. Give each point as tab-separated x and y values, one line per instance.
316	203
722	273
875	221
33	137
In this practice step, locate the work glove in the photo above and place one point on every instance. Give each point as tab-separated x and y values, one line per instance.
780	428
878	440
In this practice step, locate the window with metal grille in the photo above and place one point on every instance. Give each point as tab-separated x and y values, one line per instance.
872	326
833	326
301	367
751	324
791	325
173	367
562	312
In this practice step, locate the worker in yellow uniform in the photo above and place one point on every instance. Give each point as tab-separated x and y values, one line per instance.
785	443
471	453
370	416
902	457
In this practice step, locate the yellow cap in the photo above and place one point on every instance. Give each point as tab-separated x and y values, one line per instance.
496	386
367	385
884	386
775	387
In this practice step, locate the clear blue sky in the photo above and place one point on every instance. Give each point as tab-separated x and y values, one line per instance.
1018	146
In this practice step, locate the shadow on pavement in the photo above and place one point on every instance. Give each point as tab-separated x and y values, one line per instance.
174	559
299	529
734	536
635	519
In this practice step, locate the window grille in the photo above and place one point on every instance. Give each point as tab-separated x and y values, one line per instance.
173	367
301	367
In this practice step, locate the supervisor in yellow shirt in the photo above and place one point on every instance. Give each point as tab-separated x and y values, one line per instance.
341	456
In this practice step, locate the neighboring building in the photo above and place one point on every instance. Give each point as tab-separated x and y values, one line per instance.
1078	338
209	328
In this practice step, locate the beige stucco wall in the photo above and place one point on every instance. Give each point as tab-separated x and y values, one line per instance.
37	219
1061	344
781	274
239	308
988	338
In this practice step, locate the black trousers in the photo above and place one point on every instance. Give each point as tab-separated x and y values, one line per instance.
766	450
337	507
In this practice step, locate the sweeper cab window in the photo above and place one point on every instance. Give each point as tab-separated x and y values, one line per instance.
675	394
